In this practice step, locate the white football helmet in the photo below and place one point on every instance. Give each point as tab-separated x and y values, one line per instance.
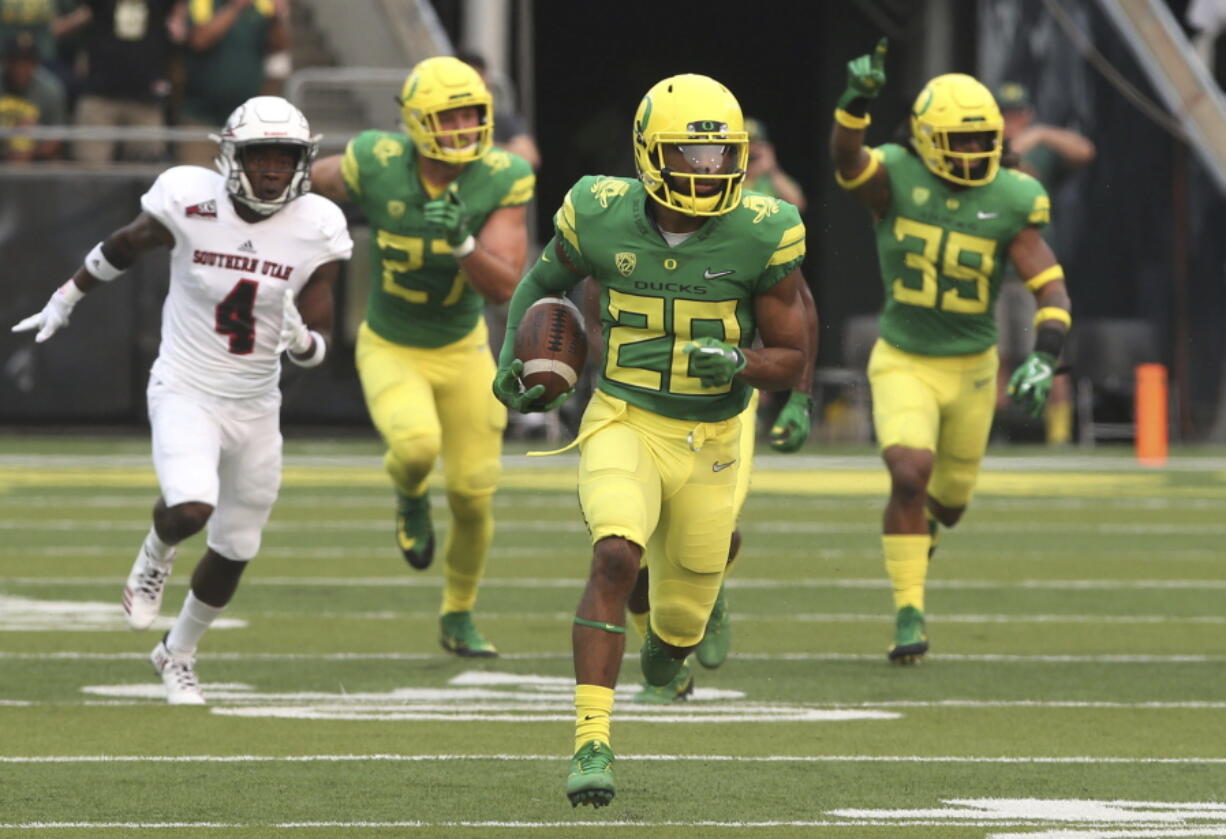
265	120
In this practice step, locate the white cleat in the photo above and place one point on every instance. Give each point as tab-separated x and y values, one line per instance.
142	594
178	672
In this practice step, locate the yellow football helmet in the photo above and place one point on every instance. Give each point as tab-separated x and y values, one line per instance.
440	84
698	123
948	106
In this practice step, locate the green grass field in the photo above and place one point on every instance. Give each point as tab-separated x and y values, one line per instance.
1076	687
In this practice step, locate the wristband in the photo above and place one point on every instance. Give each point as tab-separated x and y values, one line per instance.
71	292
320	349
464	248
851	121
1053	313
99	266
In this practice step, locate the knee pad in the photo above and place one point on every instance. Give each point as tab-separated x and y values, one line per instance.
679	610
412	455
953	481
470	508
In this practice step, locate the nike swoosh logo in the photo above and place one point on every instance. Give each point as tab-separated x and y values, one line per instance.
720	467
982	383
593	717
984	215
1039	376
406	542
545	257
714	275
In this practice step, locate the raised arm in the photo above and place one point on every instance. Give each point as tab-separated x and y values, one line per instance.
856	169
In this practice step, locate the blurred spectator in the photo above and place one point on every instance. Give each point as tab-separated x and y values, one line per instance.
46	21
1049	154
29	95
764	174
127	50
510	130
236	49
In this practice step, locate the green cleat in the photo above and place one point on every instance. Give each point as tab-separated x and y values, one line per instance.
414	532
678	690
659	668
712	650
591	775
910	641
458	634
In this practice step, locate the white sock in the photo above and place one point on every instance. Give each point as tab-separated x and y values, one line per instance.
193	621
156	548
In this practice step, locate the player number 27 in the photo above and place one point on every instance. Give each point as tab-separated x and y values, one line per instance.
967	286
641	319
405	255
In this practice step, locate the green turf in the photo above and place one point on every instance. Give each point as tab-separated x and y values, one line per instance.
1076	623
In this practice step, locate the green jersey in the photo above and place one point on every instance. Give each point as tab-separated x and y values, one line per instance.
943	252
655	298
419	296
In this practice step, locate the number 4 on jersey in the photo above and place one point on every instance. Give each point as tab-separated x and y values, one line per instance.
235	316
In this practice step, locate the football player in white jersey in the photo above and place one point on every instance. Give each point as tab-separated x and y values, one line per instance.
253	259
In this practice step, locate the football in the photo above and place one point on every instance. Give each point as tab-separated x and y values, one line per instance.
552	344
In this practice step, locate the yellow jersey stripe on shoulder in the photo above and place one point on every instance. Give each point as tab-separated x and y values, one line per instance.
791	245
520	192
565	221
350	170
1040	213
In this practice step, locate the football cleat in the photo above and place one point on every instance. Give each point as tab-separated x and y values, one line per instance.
910	640
678	690
178	672
591	775
659	668
712	650
414	531
142	593
458	634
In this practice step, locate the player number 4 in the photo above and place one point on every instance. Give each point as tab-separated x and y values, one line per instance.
235	316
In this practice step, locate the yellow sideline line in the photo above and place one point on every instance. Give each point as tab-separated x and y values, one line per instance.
781	481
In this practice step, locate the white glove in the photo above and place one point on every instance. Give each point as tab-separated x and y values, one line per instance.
295	336
54	315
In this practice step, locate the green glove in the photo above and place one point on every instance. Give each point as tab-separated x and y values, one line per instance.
1030	383
865	75
446	215
713	361
510	391
791	427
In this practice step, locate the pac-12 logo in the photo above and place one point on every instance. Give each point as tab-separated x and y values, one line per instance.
625	263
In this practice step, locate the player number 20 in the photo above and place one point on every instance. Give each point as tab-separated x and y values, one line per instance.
642	319
967	286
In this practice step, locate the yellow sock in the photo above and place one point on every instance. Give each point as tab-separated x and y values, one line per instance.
464	549
593	707
1058	418
639	622
906	561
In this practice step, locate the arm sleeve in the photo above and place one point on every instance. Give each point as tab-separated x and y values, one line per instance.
546	277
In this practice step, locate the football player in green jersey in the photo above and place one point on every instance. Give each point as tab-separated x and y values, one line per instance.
947	218
689	267
447	213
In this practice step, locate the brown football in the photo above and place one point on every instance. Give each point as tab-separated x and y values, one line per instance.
552	345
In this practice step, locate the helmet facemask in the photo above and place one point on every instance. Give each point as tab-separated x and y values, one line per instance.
433	140
942	155
238	182
698	173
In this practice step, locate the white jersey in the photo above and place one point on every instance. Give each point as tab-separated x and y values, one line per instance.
221	322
